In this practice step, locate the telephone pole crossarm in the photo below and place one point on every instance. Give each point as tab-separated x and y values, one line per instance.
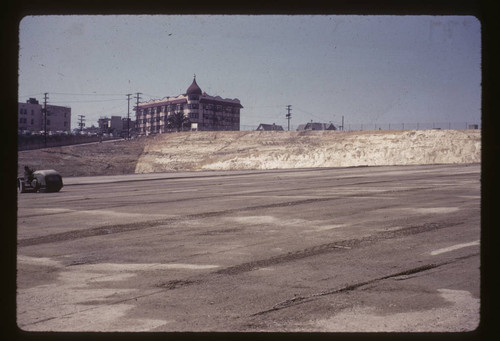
288	115
81	124
45	97
128	116
137	108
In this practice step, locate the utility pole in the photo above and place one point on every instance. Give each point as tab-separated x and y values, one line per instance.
342	122
288	116
45	97
128	116
81	124
137	107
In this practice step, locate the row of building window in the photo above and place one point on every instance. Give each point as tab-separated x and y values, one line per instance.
221	118
195	116
155	128
25	121
24	111
180	107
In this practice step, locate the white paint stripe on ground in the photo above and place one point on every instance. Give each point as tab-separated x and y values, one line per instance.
454	247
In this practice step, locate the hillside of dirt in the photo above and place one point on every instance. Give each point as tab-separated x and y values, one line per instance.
195	151
107	158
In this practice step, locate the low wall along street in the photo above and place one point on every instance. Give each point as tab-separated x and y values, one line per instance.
235	150
40	141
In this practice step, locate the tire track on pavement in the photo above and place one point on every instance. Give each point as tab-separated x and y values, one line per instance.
335	246
304	299
119	228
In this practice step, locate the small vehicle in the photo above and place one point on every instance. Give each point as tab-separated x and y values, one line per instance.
47	180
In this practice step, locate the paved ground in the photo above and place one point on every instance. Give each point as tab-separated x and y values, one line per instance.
348	249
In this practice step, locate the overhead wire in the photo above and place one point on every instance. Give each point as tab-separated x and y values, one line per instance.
84	94
309	113
89	101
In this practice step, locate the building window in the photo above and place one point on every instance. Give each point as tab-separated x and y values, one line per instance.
65	124
32	121
32	112
48	122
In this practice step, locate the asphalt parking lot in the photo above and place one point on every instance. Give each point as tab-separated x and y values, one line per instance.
392	248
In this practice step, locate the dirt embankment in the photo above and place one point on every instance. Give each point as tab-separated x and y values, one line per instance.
259	150
271	150
106	158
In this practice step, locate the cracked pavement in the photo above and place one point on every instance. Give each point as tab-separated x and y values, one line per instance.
392	248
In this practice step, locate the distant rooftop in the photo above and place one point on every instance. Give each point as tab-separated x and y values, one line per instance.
316	126
269	127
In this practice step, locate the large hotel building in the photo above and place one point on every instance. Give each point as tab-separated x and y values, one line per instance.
203	111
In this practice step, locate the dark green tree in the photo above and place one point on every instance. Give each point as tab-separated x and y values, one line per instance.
177	121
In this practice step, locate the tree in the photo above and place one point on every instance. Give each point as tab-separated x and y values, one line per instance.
177	120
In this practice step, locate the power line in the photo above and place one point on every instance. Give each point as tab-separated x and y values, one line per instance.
33	95
265	106
309	113
84	94
89	101
154	96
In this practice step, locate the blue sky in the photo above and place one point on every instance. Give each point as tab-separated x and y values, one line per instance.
370	69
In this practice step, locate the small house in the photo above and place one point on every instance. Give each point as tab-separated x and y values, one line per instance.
316	126
269	127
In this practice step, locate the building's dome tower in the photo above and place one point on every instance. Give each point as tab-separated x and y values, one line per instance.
193	94
193	89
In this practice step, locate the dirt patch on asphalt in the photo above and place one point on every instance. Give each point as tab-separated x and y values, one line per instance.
456	305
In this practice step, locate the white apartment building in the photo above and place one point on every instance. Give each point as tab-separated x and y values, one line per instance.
205	112
31	117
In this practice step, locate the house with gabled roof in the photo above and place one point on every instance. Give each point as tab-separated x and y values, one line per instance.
316	126
269	127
